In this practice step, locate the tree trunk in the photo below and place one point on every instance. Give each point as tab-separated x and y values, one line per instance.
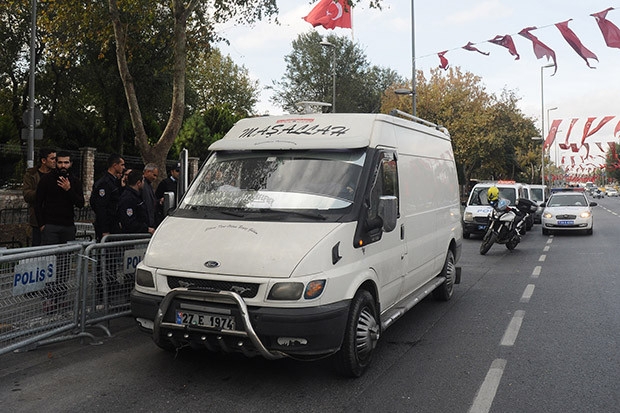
155	153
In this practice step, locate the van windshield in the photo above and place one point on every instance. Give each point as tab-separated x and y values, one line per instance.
321	180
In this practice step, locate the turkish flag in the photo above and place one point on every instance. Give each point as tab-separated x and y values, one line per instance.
540	49
553	130
575	43
330	14
470	46
443	62
506	41
610	31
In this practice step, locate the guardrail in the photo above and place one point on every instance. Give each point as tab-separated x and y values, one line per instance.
54	293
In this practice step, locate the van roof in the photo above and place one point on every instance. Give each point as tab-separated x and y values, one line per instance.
314	131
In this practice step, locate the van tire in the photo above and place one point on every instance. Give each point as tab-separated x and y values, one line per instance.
360	337
444	291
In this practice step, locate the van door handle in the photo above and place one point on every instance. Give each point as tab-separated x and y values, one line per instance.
402	231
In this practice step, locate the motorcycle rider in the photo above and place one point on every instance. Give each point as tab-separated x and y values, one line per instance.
500	203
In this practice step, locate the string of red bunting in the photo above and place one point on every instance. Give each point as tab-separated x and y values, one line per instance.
610	32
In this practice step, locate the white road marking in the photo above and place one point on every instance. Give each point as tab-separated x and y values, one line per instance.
546	248
527	294
488	389
511	333
542	257
536	271
550	240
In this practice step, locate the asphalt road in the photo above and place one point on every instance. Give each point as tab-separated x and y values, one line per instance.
533	330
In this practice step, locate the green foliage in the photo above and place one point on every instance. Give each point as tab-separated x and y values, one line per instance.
309	76
490	135
202	129
612	162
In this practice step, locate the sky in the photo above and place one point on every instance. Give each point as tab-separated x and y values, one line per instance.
577	91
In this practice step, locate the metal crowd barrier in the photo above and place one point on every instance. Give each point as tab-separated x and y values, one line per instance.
54	293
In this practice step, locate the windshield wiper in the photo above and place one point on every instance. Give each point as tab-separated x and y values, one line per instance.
307	214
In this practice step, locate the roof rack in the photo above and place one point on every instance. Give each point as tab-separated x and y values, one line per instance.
307	106
396	112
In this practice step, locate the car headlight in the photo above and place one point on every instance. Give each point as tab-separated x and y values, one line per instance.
144	278
548	215
585	214
468	217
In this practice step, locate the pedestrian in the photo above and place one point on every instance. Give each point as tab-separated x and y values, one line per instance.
105	195
47	160
167	185
58	193
131	209
151	172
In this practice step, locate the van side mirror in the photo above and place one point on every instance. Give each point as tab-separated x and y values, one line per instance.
388	212
169	202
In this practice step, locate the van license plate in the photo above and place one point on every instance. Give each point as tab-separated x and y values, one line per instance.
566	222
216	321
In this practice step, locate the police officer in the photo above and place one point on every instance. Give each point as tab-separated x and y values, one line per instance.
104	197
131	210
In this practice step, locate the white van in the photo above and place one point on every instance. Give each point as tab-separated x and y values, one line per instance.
538	194
305	236
477	208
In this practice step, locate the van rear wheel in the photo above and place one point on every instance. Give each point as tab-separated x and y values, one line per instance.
360	337
445	290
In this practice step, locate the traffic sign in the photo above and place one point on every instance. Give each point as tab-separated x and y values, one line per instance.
38	117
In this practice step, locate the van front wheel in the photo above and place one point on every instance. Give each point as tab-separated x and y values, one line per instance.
360	337
445	290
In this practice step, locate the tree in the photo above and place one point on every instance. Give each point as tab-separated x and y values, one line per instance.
218	81
490	135
612	162
309	76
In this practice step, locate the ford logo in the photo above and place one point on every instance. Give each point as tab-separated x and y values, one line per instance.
212	264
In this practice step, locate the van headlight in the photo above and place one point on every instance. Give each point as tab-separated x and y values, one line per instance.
468	217
144	278
291	291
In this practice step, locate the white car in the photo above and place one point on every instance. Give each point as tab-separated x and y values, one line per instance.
611	192
566	211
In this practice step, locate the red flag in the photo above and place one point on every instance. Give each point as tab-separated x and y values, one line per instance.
586	128
330	14
540	49
617	129
610	31
575	43
600	146
506	41
552	131
443	62
470	46
574	148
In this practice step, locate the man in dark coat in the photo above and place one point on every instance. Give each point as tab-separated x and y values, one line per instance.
167	185
131	211
58	193
47	157
104	197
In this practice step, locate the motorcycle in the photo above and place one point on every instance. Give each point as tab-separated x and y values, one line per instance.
506	224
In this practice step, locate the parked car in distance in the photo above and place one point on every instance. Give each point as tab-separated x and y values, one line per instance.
611	192
567	211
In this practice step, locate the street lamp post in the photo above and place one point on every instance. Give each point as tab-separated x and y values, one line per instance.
542	120
333	47
413	82
542	157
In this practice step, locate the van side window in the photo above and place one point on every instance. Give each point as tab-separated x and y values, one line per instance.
386	183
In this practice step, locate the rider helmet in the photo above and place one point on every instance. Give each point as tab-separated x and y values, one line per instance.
493	194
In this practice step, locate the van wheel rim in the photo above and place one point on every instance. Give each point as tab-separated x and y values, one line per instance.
367	334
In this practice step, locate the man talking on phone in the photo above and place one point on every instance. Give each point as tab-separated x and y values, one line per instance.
58	193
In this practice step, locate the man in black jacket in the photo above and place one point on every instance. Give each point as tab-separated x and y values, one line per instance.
131	211
58	193
104	198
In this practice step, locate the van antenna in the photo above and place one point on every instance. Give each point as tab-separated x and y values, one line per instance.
307	106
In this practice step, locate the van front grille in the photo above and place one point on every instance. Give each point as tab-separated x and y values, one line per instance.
245	290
